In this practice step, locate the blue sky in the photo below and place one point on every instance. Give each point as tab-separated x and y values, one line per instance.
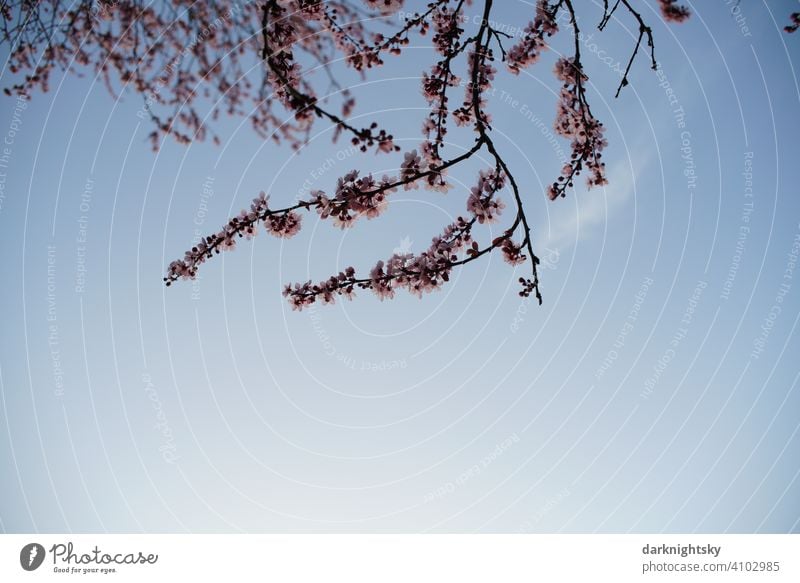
655	390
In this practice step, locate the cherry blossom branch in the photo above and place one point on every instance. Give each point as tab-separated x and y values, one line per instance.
575	121
428	271
393	43
345	207
280	63
644	30
670	10
607	14
174	54
479	69
447	41
367	196
416	274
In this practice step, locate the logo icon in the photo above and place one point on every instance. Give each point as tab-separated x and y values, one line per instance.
31	556
404	247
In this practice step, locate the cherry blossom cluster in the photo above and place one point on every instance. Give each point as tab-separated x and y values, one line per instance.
513	253
417	274
355	197
191	62
283	73
428	271
283	226
385	6
482	202
575	121
672	11
362	54
279	33
795	22
415	170
526	52
411	168
447	41
394	43
284	223
481	74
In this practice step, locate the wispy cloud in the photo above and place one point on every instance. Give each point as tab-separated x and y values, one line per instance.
590	209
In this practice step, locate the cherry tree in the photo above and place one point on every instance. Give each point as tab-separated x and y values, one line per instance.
267	61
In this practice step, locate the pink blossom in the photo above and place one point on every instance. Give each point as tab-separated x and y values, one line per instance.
512	253
385	6
411	166
482	203
527	51
284	226
672	11
574	120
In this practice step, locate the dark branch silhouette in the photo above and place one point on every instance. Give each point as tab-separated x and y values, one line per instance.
258	59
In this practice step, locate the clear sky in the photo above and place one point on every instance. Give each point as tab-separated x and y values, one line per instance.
655	390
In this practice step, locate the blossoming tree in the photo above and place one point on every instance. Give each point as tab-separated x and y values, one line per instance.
178	54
